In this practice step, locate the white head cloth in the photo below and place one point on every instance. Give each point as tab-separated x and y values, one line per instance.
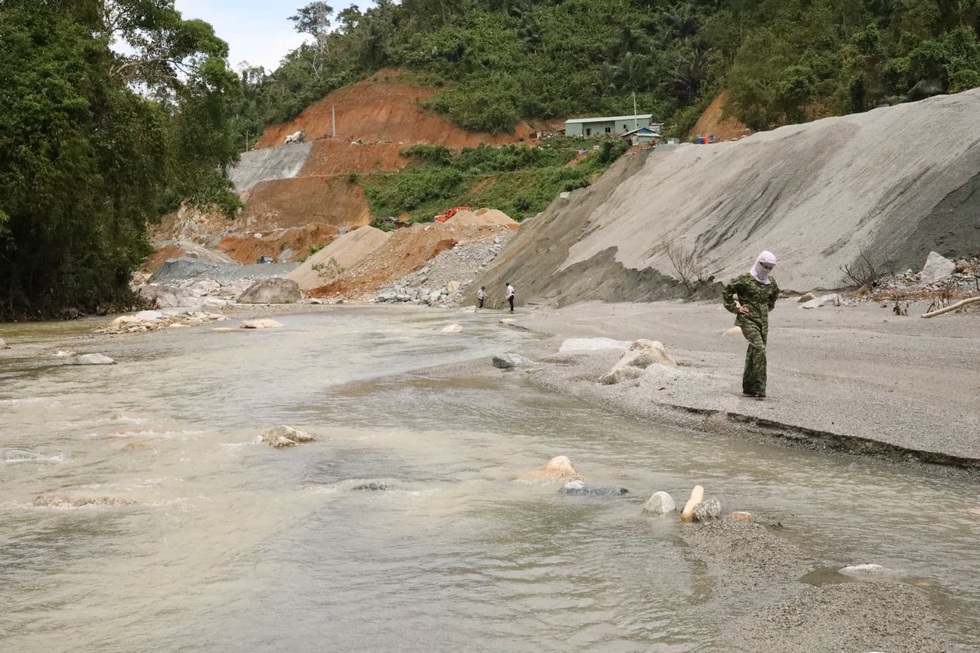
758	272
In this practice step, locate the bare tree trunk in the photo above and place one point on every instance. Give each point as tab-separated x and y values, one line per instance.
953	307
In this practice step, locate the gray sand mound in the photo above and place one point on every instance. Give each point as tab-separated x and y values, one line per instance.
888	185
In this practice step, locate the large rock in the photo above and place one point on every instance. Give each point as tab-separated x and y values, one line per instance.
275	290
641	355
286	436
708	509
660	503
164	296
937	267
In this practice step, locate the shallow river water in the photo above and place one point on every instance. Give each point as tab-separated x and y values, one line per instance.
139	511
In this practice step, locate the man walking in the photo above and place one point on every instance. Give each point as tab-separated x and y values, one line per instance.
751	296
481	294
510	296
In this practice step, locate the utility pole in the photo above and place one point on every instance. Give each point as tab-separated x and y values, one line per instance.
635	126
333	118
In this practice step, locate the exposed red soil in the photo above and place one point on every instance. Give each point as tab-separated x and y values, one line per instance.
381	110
713	121
303	200
247	248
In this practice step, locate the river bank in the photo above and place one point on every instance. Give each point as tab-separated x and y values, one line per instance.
851	378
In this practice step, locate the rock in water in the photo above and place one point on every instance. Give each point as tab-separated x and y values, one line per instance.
286	436
660	503
274	290
583	488
93	359
697	496
558	468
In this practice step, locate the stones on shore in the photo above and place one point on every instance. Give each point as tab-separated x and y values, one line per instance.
832	299
452	328
286	436
707	510
741	515
156	320
641	355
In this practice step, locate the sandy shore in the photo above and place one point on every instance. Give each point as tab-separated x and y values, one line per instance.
857	379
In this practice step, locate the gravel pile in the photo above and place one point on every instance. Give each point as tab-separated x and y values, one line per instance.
444	279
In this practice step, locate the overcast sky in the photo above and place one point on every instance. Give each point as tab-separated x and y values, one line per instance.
256	31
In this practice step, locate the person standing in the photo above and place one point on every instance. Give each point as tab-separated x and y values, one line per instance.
750	297
481	295
510	296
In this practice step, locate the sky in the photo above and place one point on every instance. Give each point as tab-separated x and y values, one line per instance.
256	31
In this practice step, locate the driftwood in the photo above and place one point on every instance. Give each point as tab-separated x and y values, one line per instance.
953	307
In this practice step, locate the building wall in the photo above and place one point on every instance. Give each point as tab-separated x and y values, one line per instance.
598	129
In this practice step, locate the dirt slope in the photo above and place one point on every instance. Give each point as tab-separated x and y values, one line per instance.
891	184
713	122
380	110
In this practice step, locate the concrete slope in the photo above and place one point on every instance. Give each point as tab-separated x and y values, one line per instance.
282	162
881	184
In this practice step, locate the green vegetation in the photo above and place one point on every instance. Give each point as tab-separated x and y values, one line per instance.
94	143
519	180
502	61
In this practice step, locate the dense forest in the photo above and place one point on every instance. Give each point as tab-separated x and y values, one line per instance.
501	61
112	112
95	142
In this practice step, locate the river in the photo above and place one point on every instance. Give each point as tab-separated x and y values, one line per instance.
140	512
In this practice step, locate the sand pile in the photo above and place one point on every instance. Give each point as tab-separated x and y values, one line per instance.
336	258
484	216
888	186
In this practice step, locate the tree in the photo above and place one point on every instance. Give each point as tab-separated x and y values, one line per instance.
86	160
314	19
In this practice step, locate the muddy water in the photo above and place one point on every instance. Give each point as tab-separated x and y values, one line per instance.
140	513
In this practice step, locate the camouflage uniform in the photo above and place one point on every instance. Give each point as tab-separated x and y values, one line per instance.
760	299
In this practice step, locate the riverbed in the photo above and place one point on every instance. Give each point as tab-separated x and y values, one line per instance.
142	512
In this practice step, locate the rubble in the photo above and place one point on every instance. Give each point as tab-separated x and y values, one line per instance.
444	279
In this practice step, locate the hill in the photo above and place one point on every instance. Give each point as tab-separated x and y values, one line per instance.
297	196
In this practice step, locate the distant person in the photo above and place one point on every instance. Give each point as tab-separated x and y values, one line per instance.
481	294
751	296
510	296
